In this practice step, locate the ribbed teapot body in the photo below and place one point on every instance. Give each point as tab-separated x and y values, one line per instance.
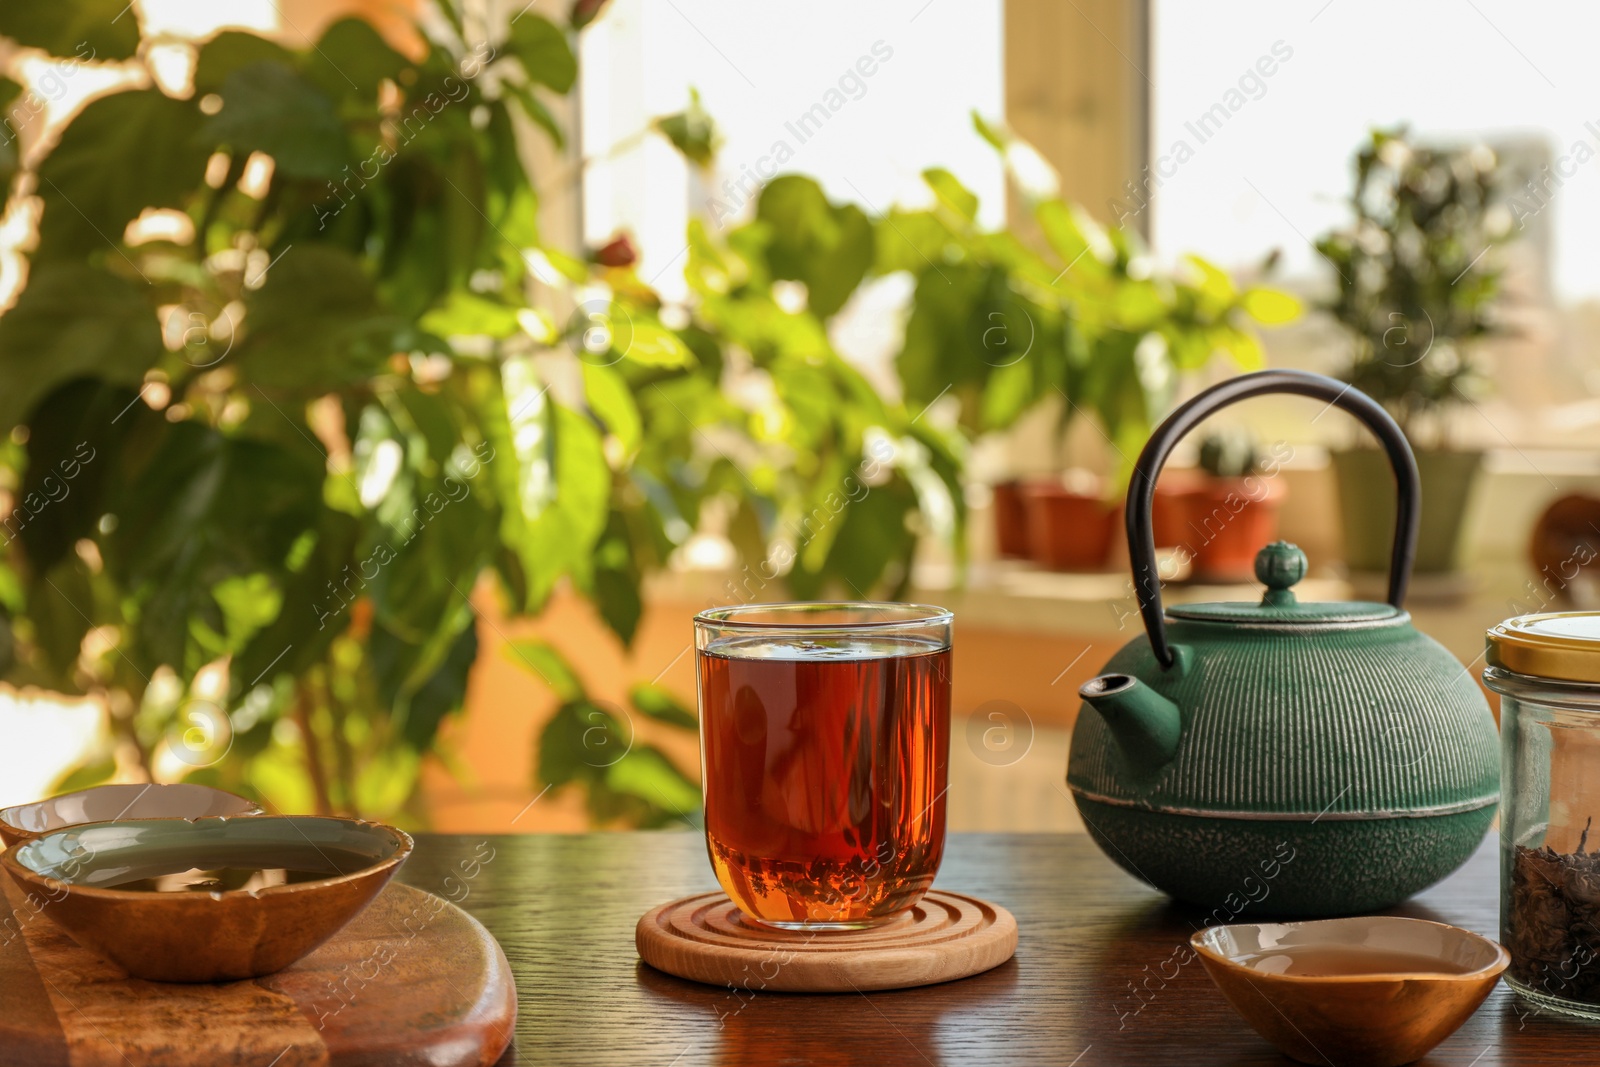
1321	769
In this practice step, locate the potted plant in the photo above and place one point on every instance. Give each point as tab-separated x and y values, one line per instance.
1010	520
1232	510
261	472
1415	292
1087	321
1071	523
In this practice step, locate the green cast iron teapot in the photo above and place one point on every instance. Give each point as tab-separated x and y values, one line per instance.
1283	757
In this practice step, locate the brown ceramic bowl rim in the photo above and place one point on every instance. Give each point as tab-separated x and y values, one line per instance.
1502	959
403	842
7	813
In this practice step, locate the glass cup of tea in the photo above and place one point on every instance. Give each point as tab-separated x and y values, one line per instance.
825	749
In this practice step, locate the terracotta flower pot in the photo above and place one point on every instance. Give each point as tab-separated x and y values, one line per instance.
1069	530
1227	520
1169	515
1010	521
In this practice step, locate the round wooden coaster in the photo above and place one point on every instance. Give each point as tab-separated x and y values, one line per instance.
707	939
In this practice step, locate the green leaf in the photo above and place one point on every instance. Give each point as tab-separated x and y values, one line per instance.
441	538
552	480
86	30
615	585
1215	283
353	59
617	595
1271	307
249	603
73	321
534	108
10	162
656	346
97	771
873	533
314	608
578	743
434	229
992	132
386	783
121	154
267	107
612	403
230	50
543	51
648	773
913	241
658	702
1073	236
551	666
952	193
437	419
1137	305
206	508
73	439
443	693
692	132
316	322
1243	347
1009	392
466	314
827	247
8	647
61	608
945	333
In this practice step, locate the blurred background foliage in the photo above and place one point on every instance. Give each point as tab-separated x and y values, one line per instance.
1413	279
266	443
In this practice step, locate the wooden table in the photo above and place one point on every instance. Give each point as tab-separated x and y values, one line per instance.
1096	979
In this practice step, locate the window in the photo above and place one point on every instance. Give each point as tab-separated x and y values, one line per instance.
1255	117
860	97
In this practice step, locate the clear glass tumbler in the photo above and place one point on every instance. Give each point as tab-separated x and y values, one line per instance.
825	745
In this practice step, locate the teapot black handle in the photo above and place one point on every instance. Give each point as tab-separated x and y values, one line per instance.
1142	490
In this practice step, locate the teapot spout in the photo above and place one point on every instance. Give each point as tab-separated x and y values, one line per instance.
1146	724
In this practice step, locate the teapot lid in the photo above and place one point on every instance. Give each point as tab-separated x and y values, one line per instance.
1279	566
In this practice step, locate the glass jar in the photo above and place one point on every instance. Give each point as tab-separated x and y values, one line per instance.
1546	669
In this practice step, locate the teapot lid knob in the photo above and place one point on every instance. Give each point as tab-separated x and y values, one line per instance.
1279	566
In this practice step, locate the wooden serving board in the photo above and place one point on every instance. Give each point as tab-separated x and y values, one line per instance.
944	937
412	980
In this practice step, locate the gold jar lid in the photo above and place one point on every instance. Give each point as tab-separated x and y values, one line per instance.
1563	645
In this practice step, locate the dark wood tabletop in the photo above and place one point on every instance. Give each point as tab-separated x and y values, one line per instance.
1097	978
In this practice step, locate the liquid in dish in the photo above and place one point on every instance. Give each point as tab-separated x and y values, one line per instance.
231	870
1329	961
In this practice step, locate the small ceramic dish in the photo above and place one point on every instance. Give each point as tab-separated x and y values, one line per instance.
109	803
1373	991
207	900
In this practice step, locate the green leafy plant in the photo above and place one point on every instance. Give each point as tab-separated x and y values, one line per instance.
280	402
1415	288
1089	320
593	745
293	439
288	438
